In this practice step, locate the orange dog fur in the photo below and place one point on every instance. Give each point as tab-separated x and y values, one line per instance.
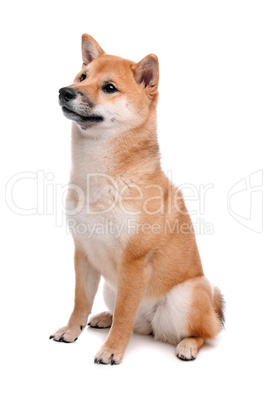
129	222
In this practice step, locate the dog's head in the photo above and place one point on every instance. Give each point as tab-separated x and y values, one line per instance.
111	93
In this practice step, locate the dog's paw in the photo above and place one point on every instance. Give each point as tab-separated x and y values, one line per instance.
102	320
67	334
108	356
186	350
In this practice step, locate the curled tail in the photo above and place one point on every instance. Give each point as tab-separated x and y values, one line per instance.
219	305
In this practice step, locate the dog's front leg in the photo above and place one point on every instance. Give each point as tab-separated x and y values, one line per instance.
86	285
133	278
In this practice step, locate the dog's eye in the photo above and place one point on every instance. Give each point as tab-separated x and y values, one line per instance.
83	77
109	88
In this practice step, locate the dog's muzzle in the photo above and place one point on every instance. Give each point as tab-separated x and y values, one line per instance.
66	94
82	116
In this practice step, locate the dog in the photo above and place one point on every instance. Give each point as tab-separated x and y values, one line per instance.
129	223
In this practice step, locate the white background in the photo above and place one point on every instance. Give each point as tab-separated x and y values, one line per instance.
212	131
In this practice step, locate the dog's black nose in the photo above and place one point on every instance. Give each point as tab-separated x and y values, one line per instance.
66	94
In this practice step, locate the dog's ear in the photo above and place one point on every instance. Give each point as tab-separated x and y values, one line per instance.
90	49
146	73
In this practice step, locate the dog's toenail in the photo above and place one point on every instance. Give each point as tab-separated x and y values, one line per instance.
81	327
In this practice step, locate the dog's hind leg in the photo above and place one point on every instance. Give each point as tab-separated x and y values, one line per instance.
102	320
205	318
188	348
105	319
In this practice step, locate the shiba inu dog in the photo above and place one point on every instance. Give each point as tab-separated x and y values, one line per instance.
129	223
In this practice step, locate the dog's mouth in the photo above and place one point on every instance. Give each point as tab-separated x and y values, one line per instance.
92	118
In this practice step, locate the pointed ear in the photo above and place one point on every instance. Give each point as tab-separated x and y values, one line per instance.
90	49
146	73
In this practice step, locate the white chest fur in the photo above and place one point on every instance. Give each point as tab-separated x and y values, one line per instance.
94	215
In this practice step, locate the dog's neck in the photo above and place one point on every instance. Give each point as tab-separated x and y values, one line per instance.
133	152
